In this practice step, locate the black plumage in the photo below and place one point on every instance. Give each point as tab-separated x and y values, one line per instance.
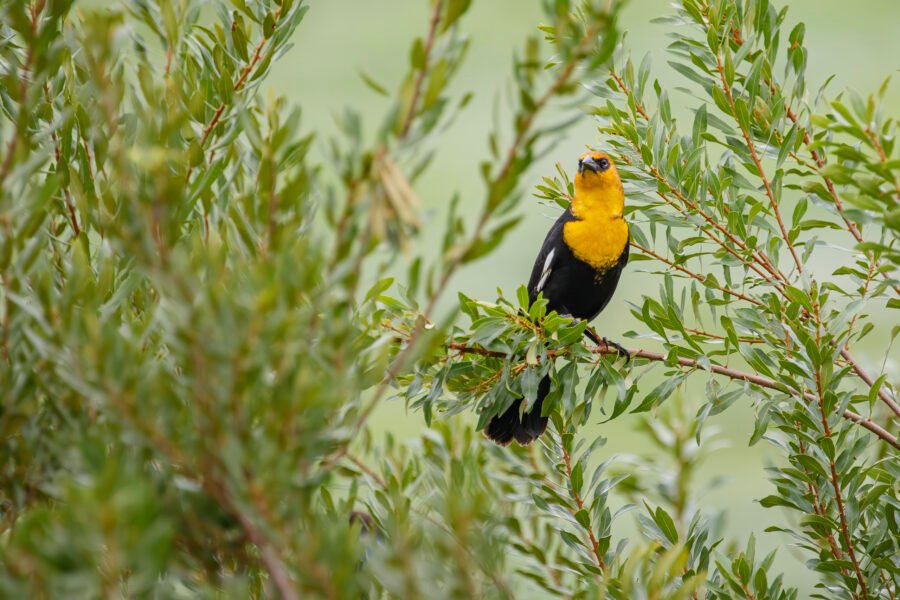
571	287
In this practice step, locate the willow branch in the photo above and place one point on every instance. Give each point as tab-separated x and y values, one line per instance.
625	90
420	78
241	80
762	174
524	128
595	545
752	378
883	395
819	507
23	97
691	274
879	149
268	556
838	204
835	484
820	162
353	187
757	255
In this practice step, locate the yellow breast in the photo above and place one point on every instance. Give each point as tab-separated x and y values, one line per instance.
599	241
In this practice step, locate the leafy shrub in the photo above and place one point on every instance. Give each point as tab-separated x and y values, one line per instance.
197	323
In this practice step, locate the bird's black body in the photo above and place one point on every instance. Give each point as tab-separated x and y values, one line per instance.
572	288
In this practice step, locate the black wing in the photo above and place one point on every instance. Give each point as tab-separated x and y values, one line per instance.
551	251
570	286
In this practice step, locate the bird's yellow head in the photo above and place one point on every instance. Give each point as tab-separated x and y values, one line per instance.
597	186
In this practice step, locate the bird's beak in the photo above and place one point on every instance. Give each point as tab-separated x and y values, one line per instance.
588	163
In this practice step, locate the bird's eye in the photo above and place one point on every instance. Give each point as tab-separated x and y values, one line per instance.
604	164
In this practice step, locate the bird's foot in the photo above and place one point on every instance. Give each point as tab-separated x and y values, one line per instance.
620	350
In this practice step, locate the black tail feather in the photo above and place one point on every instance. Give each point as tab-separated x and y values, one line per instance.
507	427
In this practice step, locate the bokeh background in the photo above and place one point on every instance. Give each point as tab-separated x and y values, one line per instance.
858	42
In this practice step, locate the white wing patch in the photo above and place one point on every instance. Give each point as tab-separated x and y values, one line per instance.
545	273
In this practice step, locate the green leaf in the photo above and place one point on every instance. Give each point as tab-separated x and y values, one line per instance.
666	524
417	55
373	85
577	478
583	519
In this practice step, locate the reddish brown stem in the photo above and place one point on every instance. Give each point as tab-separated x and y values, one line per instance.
879	149
523	129
365	469
819	508
753	378
269	556
595	545
835	484
757	256
762	174
838	204
168	60
627	92
820	162
690	273
254	60
864	375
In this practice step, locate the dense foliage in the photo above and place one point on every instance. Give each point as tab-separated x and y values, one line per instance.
199	316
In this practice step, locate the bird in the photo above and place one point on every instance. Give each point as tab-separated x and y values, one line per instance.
577	271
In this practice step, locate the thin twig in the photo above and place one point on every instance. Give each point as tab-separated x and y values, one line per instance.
23	97
353	186
524	127
819	507
380	481
879	149
756	255
838	204
752	378
861	372
580	503
257	55
365	469
820	163
268	556
762	174
845	532
624	88
420	78
690	273
168	60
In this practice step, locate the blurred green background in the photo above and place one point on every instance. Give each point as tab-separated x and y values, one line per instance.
857	42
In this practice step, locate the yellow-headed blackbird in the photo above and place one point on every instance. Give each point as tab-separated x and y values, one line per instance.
577	271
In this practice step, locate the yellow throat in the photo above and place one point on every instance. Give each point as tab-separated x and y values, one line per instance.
599	234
